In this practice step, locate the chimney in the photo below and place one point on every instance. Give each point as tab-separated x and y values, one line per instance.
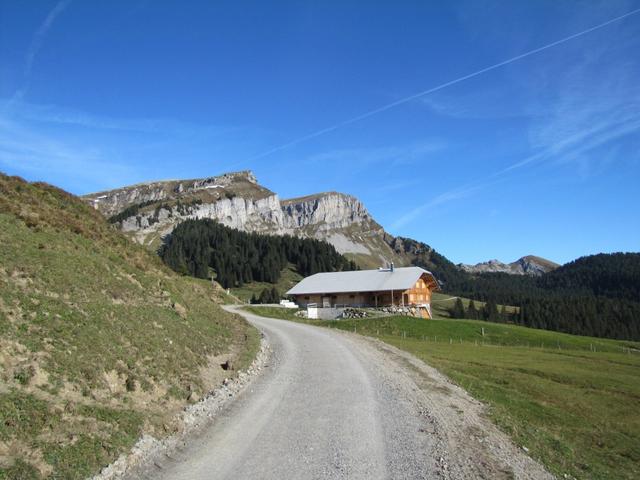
391	266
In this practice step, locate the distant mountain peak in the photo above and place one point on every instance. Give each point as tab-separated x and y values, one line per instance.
527	265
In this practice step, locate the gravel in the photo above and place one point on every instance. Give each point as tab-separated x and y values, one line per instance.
331	404
150	452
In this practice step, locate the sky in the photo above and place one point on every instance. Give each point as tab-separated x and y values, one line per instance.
486	129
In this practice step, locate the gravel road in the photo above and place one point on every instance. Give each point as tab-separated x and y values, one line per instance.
335	405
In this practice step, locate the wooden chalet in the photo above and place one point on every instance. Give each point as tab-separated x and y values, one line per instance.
400	287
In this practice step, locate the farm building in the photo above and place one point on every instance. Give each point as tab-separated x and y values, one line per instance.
407	286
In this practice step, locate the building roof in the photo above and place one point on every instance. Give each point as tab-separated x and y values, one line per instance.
360	281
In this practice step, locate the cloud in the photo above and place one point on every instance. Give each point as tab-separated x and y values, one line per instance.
464	78
486	104
27	153
585	104
37	42
585	118
41	33
391	155
84	152
66	117
441	199
582	103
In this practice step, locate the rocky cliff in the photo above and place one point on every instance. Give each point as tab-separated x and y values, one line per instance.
528	265
150	211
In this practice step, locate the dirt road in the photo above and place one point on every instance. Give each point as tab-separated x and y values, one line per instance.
335	405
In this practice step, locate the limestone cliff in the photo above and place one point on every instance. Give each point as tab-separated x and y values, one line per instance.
150	211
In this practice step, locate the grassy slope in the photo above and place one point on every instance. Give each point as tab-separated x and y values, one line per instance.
442	303
574	408
288	279
99	342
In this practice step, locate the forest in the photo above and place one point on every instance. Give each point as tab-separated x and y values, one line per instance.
598	295
197	246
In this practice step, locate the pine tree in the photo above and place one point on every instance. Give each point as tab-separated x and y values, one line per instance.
458	309
490	311
472	312
275	295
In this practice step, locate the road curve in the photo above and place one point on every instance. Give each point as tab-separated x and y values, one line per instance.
329	405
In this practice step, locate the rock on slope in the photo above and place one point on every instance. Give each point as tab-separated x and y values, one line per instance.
150	211
99	341
528	265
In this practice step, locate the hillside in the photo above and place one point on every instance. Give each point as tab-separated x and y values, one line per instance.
99	341
597	295
615	275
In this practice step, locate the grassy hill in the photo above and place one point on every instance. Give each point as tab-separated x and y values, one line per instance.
572	401
289	277
441	305
99	341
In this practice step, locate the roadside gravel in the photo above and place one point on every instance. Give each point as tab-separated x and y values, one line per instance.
472	446
330	404
149	452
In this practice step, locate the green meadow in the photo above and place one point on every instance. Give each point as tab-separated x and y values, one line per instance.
573	401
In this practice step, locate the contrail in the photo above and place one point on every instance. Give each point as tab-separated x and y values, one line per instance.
34	48
404	100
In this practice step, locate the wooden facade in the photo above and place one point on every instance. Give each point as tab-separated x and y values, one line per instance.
418	296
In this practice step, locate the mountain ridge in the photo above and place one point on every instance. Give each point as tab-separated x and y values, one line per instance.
149	211
527	265
237	200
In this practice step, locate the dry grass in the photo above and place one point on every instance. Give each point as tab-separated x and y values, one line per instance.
99	341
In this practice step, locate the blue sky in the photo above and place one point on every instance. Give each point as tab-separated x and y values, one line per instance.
540	155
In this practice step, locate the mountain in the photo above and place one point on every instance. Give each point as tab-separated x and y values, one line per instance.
597	295
528	265
147	212
100	342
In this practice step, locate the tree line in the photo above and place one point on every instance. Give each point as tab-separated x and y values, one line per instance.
598	295
197	247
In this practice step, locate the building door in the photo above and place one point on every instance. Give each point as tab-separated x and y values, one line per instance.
326	302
